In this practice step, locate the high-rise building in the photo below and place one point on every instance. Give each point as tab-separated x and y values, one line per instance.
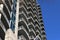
30	22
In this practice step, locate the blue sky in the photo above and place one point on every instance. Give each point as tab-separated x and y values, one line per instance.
51	16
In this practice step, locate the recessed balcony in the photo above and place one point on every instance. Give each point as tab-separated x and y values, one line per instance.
42	32
0	16
4	21
23	15
22	22
22	31
6	12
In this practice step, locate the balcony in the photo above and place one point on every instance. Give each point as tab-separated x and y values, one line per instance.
22	22
41	21
39	33
43	37
23	15
42	24
40	14
42	29
40	17
30	19
6	12
37	38
35	17
30	9
30	14
37	28
22	2
27	11
40	36
5	22
31	37
32	33
10	2
21	37
38	8
4	15
22	31
30	4
31	27
42	32
36	23
6	6
7	3
22	8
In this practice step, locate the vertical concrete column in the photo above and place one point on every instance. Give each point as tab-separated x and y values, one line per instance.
16	22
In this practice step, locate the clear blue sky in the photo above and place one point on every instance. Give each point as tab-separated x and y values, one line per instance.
51	17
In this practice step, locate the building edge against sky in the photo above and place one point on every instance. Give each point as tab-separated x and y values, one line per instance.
30	22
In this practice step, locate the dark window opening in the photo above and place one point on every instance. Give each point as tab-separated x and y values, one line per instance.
40	17
40	14
43	33
42	25
42	29
41	21
39	11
